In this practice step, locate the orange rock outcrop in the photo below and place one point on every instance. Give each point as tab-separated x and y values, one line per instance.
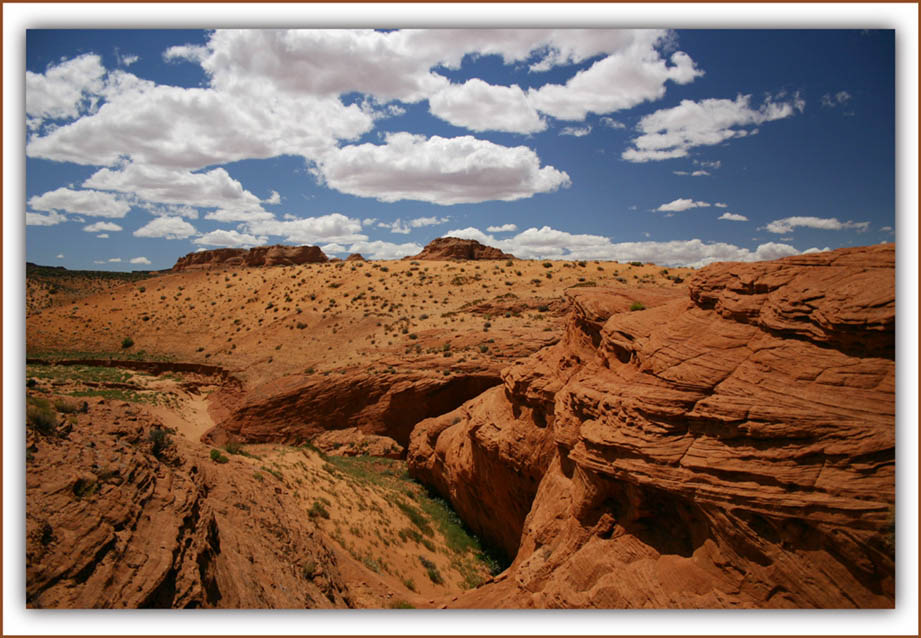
733	448
444	248
277	255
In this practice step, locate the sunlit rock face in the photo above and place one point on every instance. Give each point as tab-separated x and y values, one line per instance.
734	447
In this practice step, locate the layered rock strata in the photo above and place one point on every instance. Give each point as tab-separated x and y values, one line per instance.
122	514
731	449
277	255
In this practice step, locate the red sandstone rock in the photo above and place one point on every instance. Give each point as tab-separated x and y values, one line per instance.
734	451
353	442
111	523
300	408
355	257
260	256
444	248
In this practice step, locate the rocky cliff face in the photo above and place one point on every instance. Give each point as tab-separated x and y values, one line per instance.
731	449
444	248
260	256
297	409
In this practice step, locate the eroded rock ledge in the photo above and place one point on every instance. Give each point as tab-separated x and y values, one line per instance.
731	449
277	255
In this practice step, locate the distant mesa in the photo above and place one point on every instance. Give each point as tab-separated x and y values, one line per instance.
277	255
445	248
355	257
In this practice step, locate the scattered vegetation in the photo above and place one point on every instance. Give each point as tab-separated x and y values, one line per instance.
318	510
160	439
40	415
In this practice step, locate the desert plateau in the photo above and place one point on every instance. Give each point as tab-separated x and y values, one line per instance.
268	428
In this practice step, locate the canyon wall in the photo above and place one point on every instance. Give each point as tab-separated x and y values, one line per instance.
731	448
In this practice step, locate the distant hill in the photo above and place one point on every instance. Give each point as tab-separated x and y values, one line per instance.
53	285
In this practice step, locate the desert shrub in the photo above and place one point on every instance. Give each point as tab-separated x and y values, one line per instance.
410	584
636	263
637	305
84	487
417	518
31	382
432	570
318	509
66	407
127	342
547	264
401	604
40	416
160	440
217	457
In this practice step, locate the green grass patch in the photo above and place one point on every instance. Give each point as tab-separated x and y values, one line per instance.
428	512
121	355
95	374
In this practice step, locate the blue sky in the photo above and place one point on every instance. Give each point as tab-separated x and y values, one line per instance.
678	147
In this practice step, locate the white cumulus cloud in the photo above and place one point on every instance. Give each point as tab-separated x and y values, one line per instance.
787	224
102	226
439	170
192	128
64	90
140	260
87	202
612	123
325	229
504	228
384	250
211	189
166	228
549	243
228	239
38	219
479	106
670	133
733	217
634	74
682	204
576	131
